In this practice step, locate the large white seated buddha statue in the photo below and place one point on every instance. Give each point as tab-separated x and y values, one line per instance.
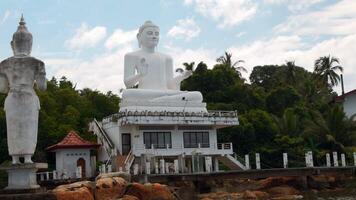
150	81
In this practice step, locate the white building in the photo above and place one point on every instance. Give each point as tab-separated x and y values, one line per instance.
188	139
349	102
72	152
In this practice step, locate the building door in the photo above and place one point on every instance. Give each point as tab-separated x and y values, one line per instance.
126	143
81	162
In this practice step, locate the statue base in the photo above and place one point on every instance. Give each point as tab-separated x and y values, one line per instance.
23	176
179	106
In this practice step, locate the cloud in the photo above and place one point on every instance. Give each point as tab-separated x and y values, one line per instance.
185	29
181	55
336	19
120	37
5	16
282	48
295	5
104	72
86	37
227	13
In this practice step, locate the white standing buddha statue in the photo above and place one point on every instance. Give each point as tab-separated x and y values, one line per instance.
18	74
153	72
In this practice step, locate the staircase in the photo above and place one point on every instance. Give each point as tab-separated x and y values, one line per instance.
231	162
104	139
125	161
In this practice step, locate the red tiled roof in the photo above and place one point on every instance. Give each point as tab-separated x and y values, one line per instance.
73	140
342	97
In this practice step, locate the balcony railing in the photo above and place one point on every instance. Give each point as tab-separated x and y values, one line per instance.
175	149
210	114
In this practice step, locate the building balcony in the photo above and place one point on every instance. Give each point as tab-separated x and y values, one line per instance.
175	150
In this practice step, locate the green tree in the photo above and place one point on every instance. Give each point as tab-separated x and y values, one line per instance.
226	59
326	68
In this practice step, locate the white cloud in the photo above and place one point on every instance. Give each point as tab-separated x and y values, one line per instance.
86	37
181	55
120	37
282	48
104	72
227	13
5	16
294	5
185	29
336	19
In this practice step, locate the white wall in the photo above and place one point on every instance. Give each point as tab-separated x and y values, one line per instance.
67	159
350	105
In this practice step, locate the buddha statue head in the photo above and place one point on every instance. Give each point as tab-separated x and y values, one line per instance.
148	35
21	43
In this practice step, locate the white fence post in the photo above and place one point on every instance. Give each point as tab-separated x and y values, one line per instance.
335	159
285	160
156	168
54	174
148	168
328	162
247	161
343	160
109	168
162	166
258	161
354	158
135	169
176	166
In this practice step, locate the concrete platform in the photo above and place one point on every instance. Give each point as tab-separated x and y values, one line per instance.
23	176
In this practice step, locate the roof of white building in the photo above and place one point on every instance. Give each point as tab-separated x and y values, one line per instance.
73	141
341	98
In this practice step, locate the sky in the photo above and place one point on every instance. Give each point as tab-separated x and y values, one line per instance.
86	40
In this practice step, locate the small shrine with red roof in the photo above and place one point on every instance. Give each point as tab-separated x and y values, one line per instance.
73	152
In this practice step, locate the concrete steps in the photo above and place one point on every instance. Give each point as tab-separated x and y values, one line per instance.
231	162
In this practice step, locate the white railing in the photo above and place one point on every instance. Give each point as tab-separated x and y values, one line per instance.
129	160
176	149
210	114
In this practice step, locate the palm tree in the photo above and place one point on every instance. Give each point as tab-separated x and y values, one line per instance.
326	67
189	66
335	130
291	72
226	60
288	124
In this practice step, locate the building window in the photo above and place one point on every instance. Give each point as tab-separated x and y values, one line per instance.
193	139
159	140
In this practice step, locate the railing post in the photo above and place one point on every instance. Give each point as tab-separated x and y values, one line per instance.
109	168
247	161
148	168
343	160
285	160
335	159
176	166
231	145
258	161
162	166
328	162
135	169
152	146
198	145
47	175
54	175
354	158
156	168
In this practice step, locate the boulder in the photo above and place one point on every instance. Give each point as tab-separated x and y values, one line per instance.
110	188
79	190
288	197
249	195
123	175
129	197
150	191
261	195
283	190
297	182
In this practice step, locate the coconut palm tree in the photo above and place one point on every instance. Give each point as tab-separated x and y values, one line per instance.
288	124
334	130
291	72
326	68
226	60
189	66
